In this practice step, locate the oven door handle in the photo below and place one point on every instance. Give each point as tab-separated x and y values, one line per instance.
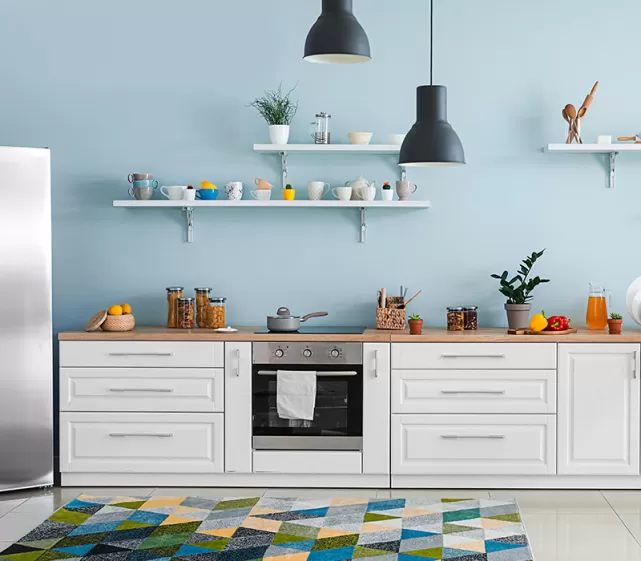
320	373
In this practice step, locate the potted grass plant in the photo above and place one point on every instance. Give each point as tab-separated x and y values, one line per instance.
518	291
278	109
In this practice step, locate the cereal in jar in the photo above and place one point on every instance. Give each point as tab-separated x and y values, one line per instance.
217	318
173	293
185	315
202	306
455	319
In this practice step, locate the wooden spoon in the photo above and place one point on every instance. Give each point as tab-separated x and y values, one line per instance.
570	110
402	306
565	115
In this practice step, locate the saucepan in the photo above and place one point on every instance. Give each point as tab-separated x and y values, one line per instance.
284	322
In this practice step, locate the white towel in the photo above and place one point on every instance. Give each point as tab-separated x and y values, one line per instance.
296	394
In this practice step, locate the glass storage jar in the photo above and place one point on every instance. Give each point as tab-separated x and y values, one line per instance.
455	319
202	306
173	293
470	318
217	318
185	315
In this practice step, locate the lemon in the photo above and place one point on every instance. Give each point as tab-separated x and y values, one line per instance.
126	308
115	310
207	185
538	322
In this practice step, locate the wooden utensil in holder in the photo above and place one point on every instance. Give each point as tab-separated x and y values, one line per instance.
391	317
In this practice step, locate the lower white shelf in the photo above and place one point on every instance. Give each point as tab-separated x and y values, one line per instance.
190	206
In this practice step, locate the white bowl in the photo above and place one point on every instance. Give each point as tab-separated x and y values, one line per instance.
396	139
632	292
359	137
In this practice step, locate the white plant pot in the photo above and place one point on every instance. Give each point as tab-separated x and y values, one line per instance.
279	134
387	194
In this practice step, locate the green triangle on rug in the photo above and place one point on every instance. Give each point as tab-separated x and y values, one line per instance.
374	517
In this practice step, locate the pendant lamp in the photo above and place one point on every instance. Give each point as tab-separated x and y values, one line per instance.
432	140
337	37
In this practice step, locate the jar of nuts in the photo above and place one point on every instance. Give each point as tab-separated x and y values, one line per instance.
471	314
185	316
455	319
202	306
216	317
173	293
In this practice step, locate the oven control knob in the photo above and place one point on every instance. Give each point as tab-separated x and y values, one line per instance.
307	353
280	353
334	353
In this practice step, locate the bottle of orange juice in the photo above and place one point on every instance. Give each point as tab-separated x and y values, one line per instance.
597	315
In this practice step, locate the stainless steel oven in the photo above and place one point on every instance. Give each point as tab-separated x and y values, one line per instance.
338	413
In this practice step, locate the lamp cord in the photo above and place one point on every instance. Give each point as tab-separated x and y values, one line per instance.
431	42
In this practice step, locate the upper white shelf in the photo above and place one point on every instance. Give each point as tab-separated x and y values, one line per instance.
328	148
592	148
132	203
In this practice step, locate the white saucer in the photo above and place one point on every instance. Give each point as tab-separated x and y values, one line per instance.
226	329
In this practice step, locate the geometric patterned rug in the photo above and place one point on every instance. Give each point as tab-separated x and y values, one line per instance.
278	529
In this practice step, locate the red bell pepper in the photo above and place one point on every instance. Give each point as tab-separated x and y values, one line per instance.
555	324
565	322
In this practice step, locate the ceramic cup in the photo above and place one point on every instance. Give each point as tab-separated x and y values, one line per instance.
207	194
234	190
146	183
342	193
317	190
404	189
262	184
141	193
604	139
262	195
173	192
396	139
367	193
139	177
359	137
189	194
387	194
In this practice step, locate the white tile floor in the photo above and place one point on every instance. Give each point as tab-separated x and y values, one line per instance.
562	525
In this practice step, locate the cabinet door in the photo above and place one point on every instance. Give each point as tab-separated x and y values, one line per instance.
238	408
598	410
376	408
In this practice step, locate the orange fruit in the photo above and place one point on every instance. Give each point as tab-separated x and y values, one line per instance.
126	308
115	311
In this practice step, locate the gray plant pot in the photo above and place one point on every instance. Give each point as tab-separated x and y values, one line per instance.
518	315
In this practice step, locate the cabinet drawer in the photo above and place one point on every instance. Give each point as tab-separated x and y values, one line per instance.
142	389
473	444
312	462
157	354
141	442
473	391
459	356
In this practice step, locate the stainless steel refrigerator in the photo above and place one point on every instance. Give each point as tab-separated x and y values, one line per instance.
26	364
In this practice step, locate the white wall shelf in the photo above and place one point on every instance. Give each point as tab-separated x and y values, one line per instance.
189	206
316	149
611	149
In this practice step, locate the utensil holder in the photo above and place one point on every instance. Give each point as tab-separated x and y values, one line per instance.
574	131
391	317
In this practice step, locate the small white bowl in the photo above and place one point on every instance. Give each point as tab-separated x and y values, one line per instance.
359	137
396	139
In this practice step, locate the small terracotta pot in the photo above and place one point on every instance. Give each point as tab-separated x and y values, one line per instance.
614	325
416	326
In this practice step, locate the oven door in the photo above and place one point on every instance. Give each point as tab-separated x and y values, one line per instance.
338	414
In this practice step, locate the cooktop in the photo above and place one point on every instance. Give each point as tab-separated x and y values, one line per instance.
322	330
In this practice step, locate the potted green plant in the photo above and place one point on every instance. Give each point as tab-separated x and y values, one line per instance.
278	109
518	291
387	194
615	323
416	324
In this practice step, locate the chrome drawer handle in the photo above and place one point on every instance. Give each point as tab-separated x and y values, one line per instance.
154	390
471	356
141	434
238	363
376	363
474	392
345	373
141	354
479	436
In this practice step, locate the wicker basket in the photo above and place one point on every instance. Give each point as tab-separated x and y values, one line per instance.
391	317
119	323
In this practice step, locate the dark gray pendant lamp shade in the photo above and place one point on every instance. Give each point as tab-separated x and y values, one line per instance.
337	37
432	140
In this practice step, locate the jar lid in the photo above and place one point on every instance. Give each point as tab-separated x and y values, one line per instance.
203	289
175	288
470	308
218	300
185	300
456	309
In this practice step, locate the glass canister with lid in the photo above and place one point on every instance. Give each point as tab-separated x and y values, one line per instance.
455	319
173	293
202	306
185	315
216	318
470	317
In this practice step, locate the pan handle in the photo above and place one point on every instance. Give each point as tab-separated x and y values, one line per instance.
313	315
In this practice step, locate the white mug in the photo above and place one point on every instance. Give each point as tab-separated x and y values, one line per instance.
189	195
342	193
317	190
604	139
262	194
367	193
234	190
173	192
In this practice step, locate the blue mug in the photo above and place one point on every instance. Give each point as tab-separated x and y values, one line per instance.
207	194
146	183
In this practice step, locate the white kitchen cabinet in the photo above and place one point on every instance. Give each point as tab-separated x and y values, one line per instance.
376	408
238	407
598	409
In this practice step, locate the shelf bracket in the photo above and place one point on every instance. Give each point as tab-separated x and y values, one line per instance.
613	159
363	224
189	212
403	173
283	168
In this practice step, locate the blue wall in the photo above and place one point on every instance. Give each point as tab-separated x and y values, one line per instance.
161	86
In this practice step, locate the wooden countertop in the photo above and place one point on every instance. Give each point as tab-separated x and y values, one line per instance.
430	335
